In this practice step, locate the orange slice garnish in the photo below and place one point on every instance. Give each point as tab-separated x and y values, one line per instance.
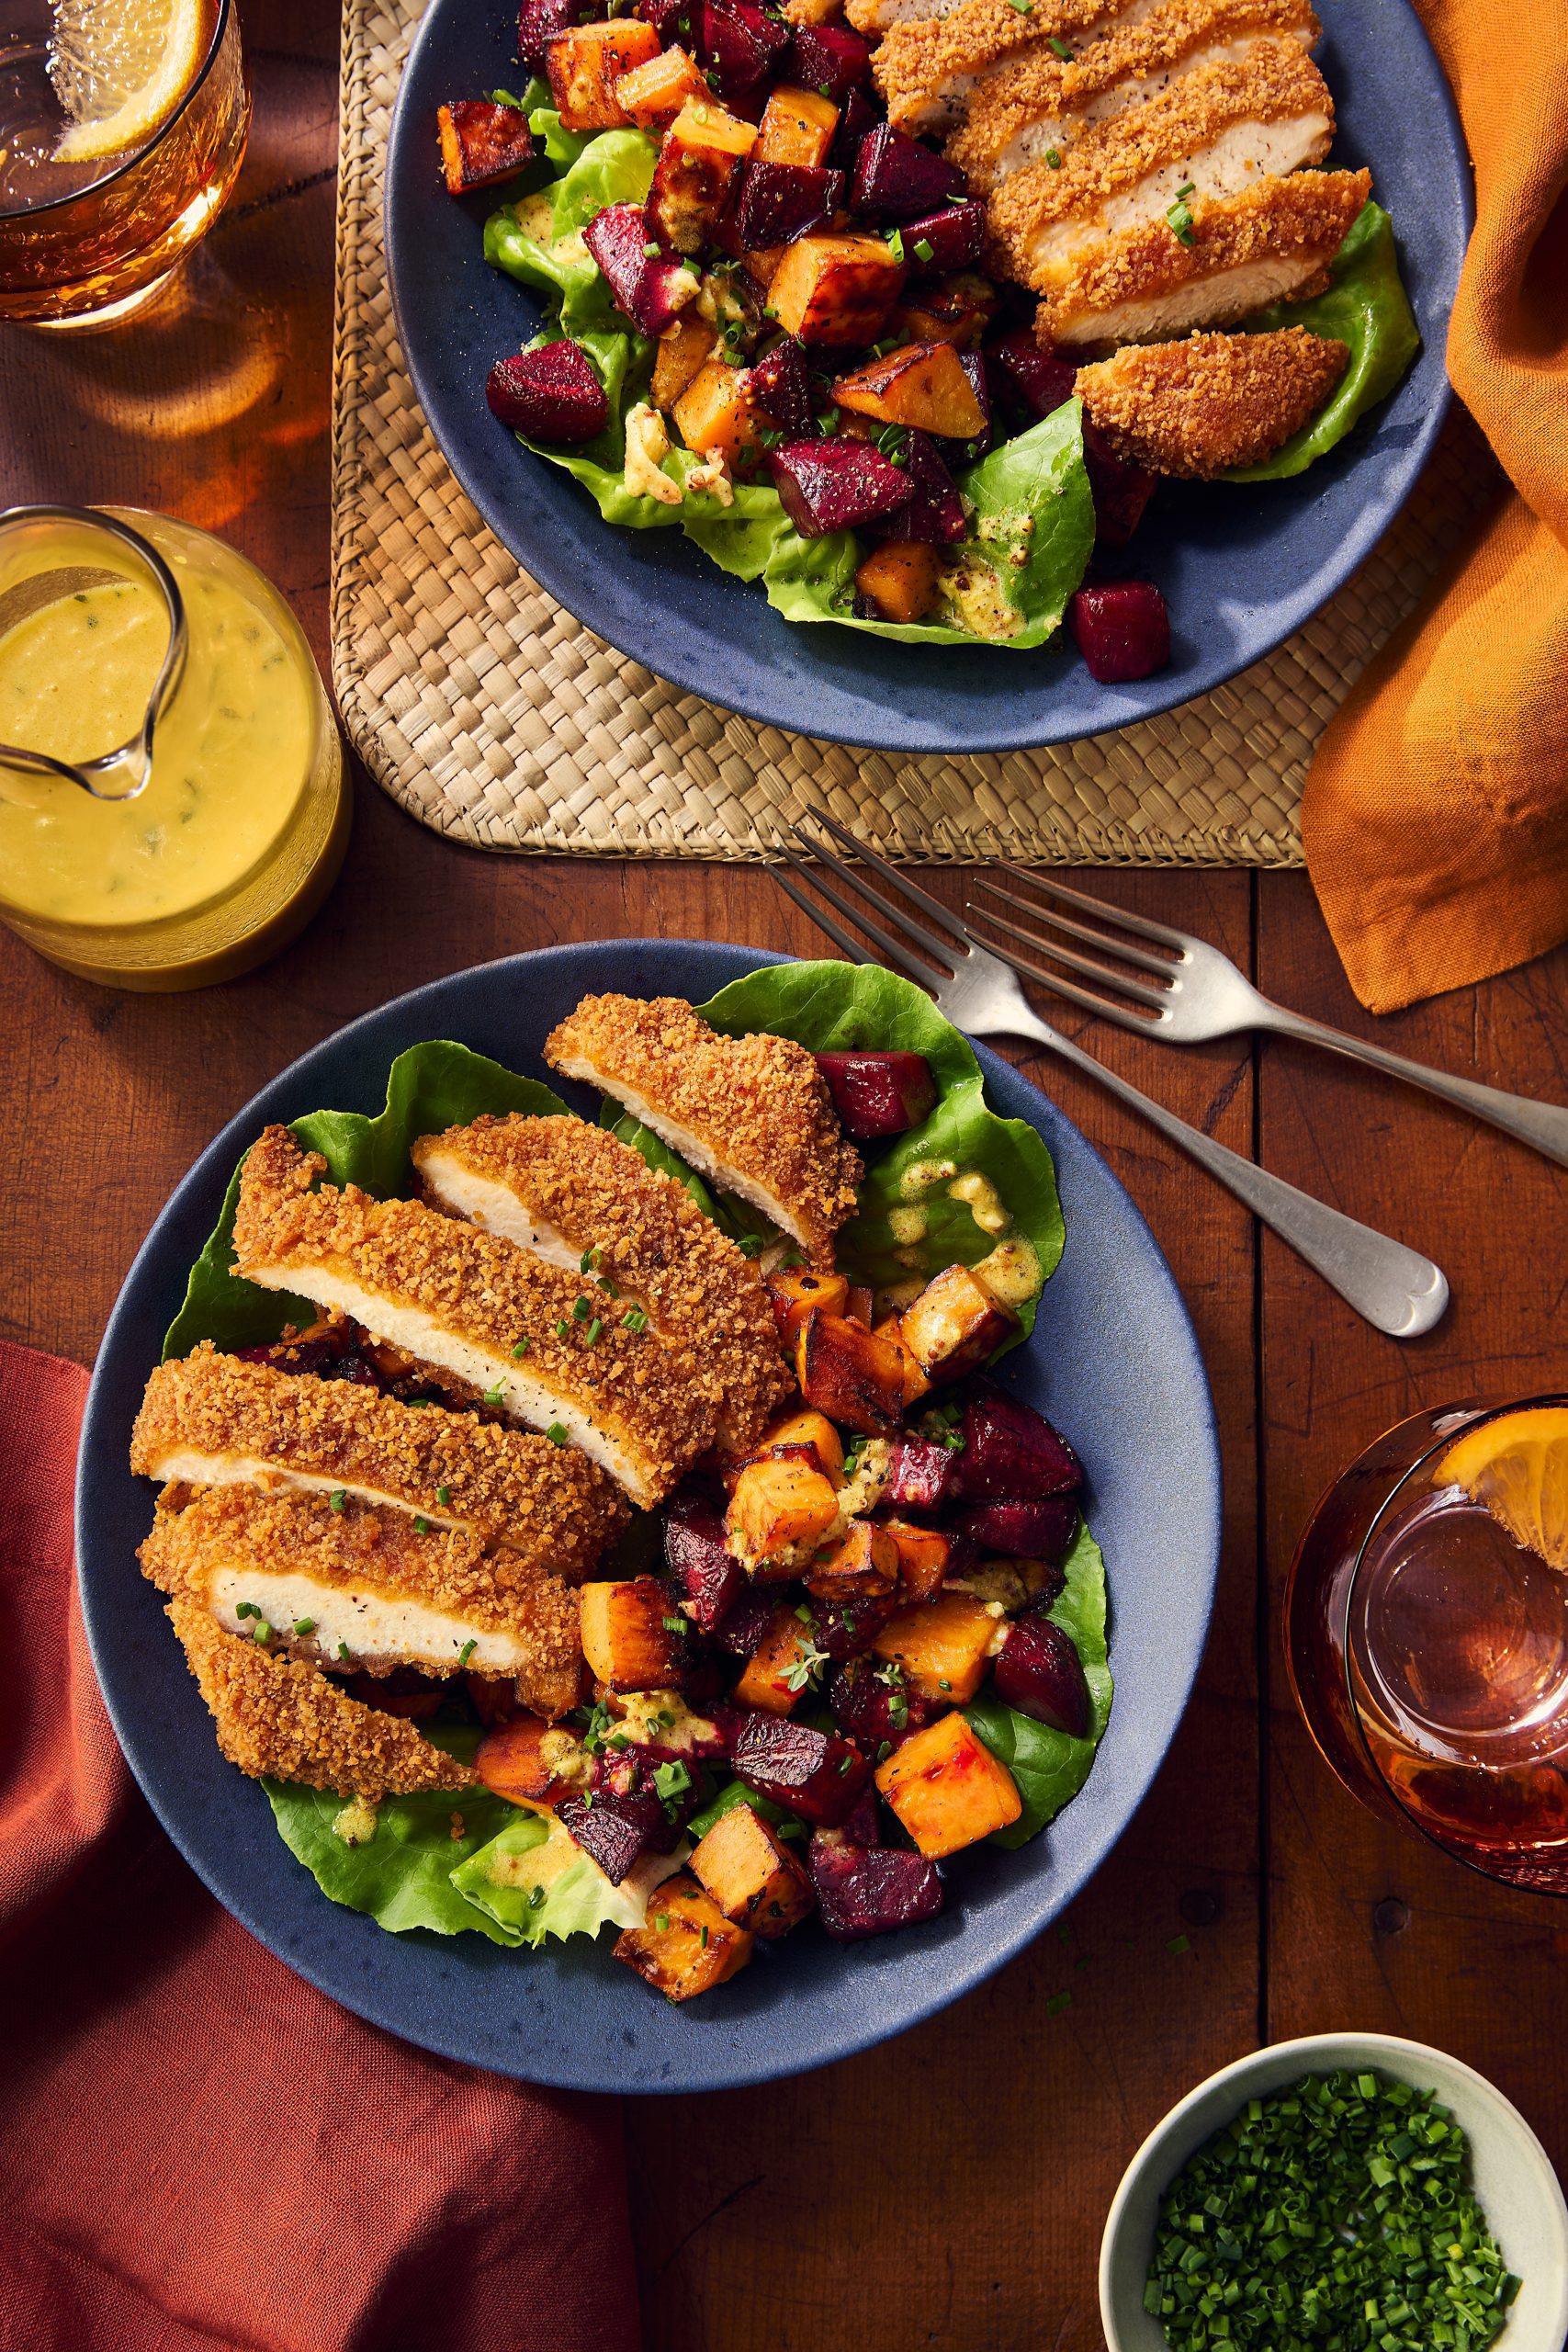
1517	1467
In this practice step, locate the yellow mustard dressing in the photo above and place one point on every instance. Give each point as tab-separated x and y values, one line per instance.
1012	1270
983	1202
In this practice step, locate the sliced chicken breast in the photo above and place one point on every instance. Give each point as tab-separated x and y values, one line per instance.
527	1335
930	62
210	1420
751	1113
1212	401
278	1719
582	1199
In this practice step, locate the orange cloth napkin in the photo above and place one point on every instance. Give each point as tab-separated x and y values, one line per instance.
199	2152
1435	813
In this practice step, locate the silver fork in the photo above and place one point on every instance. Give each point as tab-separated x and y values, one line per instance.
1196	992
1395	1288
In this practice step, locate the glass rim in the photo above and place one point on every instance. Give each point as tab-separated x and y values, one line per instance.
1475	1419
140	154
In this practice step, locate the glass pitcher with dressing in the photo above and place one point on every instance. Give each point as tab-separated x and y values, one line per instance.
172	807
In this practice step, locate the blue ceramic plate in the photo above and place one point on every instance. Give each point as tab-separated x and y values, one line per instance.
1241	566
1113	1361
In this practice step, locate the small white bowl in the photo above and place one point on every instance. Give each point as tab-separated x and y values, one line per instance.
1514	2180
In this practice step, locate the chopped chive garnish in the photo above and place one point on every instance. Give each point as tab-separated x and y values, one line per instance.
536	1896
493	1396
673	1625
662	1921
421	1526
705	1937
339	1498
521	1347
557	1432
343	1650
1060	46
1057	2003
649	252
1179	216
261	1631
589	1259
1024	8
1179	1944
581	1308
562	1328
1052	159
591	1334
924	249
634	1319
465	1653
895	236
443	1497
246	1609
942	1682
751	1245
303	1625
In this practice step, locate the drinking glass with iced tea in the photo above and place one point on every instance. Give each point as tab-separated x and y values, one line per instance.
1426	1634
123	130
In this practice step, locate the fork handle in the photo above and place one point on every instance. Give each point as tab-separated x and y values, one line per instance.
1543	1126
1396	1289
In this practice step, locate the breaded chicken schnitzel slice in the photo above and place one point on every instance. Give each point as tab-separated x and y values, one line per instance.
282	1721
525	1334
211	1420
1271	244
1212	401
752	1114
364	1584
939	54
581	1198
1213	133
1036	103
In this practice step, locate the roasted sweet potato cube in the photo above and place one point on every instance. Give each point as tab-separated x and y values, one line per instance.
956	309
849	1373
773	1677
836	290
782	1506
686	1945
584	64
947	1788
752	1874
923	386
798	127
924	1554
901	578
944	1646
718	417
807	1427
955	1324
863	1562
916	1384
681	355
481	143
762	263
508	1760
631	1637
703	149
792	1290
653	93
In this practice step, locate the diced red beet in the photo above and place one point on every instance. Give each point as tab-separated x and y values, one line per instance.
743	1627
815	1774
843	1628
879	1093
652	288
662	14
616	1832
836	485
955	236
711	1579
856	117
934	515
871	1712
1120	491
779	202
1052	1585
624	1780
832	59
1012	1454
739	42
1040	1674
551	393
1041	1530
1122	629
1032	379
870	1890
780	384
539	20
919	1475
862	1826
897	179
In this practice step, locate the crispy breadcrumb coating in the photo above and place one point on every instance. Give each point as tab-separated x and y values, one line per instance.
468	1301
754	1113
230	1541
926	53
1215	400
647	1239
282	1721
1273	242
210	1416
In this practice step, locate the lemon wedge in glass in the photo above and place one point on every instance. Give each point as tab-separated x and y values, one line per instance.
119	69
1517	1467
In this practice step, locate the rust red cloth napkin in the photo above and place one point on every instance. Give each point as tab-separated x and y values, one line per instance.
197	2150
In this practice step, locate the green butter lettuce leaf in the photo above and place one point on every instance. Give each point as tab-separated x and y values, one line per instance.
736	1792
431	1086
533	1882
1050	1766
1366	308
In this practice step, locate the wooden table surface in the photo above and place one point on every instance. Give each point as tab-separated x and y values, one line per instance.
948	2189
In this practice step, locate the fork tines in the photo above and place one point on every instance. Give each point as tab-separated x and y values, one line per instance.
940	953
1114	933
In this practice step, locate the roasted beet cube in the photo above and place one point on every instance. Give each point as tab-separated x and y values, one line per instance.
897	179
1120	491
1040	1674
539	20
1029	381
832	59
934	517
1011	1455
955	237
779	202
625	1778
836	485
1037	1531
880	1094
615	1836
738	43
919	1475
862	1826
743	1627
780	386
812	1773
652	288
856	117
1122	629
841	1629
870	1890
708	1576
481	144
873	1710
551	393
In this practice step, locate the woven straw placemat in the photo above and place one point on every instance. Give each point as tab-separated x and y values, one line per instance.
491	715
